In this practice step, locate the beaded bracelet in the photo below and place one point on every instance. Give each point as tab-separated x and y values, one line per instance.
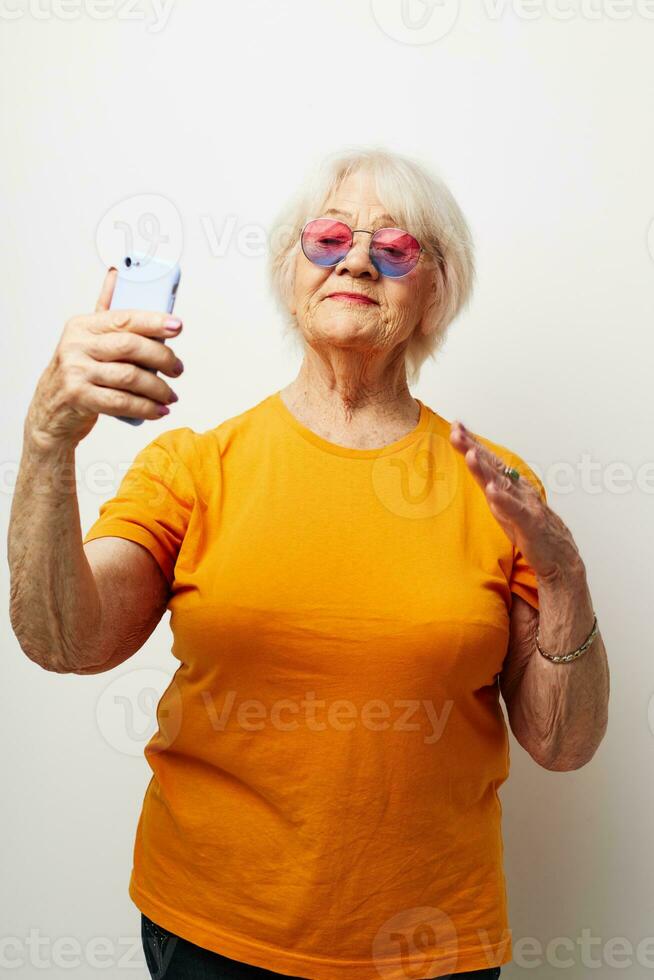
564	658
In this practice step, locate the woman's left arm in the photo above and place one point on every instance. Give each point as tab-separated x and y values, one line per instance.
558	712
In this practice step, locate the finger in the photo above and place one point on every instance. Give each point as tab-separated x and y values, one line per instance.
503	497
469	441
476	455
112	401
485	464
147	352
130	378
107	291
511	509
480	468
146	322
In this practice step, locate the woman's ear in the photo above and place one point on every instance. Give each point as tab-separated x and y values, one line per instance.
292	305
427	322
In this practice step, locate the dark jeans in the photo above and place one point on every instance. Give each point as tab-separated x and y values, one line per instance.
173	958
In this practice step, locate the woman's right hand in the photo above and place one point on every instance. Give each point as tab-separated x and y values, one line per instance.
100	367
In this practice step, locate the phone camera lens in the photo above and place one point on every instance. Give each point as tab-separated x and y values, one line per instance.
128	261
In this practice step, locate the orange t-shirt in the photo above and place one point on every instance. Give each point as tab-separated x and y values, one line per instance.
324	798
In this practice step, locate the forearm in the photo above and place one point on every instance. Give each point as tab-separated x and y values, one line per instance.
564	706
54	604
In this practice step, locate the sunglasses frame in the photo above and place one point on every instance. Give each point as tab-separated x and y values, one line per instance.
353	231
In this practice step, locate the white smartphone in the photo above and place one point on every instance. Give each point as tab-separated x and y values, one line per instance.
145	283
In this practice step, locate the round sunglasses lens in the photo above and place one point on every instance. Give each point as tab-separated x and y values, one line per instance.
326	242
394	252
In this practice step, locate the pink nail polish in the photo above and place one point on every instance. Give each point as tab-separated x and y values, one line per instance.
172	324
163	410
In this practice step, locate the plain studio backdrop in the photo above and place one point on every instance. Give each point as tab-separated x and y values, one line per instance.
187	125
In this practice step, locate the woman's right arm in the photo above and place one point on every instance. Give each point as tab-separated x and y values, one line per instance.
74	608
79	608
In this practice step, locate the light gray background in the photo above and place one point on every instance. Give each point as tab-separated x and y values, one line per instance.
539	116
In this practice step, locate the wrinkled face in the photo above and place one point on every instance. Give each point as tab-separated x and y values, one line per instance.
395	307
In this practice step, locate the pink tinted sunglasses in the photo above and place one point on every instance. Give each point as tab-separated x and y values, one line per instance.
393	252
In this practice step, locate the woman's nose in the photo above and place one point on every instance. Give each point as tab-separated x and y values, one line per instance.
357	261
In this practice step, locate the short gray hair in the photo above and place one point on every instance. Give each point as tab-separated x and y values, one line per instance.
419	201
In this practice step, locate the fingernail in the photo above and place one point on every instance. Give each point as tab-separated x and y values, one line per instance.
162	410
178	367
172	324
112	268
174	397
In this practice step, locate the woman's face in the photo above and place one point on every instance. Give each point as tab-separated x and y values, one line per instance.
397	306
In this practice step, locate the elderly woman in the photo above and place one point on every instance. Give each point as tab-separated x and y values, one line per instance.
352	581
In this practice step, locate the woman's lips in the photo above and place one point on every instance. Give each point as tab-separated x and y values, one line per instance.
353	298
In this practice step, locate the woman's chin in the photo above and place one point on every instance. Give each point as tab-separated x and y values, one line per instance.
348	327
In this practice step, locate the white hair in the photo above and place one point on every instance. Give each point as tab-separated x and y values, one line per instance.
420	202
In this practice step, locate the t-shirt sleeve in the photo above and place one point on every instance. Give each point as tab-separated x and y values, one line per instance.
523	577
154	501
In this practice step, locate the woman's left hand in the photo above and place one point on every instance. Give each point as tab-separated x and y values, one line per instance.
533	527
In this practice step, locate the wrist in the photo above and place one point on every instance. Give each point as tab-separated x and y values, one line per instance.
40	443
566	613
569	575
48	466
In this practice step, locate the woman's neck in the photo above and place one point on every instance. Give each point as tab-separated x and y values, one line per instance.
350	410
